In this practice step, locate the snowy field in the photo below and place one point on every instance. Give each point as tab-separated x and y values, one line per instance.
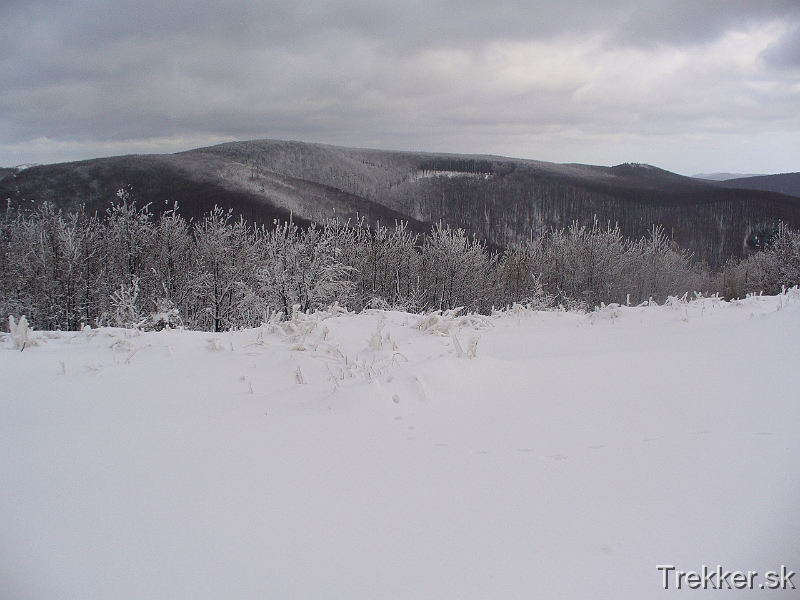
370	456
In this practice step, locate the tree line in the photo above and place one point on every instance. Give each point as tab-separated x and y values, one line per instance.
131	267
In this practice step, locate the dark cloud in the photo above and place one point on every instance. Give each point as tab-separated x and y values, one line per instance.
105	73
447	23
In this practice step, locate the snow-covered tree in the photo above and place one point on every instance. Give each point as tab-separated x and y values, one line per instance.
227	264
301	267
456	270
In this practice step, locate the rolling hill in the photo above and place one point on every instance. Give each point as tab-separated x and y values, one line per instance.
500	200
783	183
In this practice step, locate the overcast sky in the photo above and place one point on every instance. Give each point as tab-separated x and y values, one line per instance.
688	85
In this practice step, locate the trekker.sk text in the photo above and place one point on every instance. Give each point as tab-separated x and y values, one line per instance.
718	579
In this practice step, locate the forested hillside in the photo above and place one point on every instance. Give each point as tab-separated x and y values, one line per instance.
500	200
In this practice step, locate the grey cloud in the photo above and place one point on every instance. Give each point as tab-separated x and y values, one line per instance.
690	22
430	23
32	32
351	71
785	53
464	23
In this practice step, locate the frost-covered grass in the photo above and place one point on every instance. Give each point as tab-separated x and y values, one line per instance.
342	455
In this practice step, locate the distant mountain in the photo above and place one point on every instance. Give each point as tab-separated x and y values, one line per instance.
723	176
501	200
784	183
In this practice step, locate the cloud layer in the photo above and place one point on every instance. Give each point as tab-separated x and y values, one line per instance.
691	86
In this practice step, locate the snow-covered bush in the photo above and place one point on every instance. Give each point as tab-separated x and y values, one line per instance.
770	270
778	265
166	316
445	323
20	332
124	303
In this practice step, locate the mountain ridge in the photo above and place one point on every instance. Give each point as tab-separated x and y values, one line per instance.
500	200
783	183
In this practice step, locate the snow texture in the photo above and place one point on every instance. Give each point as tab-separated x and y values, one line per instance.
372	455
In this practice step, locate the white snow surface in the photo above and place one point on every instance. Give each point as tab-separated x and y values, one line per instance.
359	456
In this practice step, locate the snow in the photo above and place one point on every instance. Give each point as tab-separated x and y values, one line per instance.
365	456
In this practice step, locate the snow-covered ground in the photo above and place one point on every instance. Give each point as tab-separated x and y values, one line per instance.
359	456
